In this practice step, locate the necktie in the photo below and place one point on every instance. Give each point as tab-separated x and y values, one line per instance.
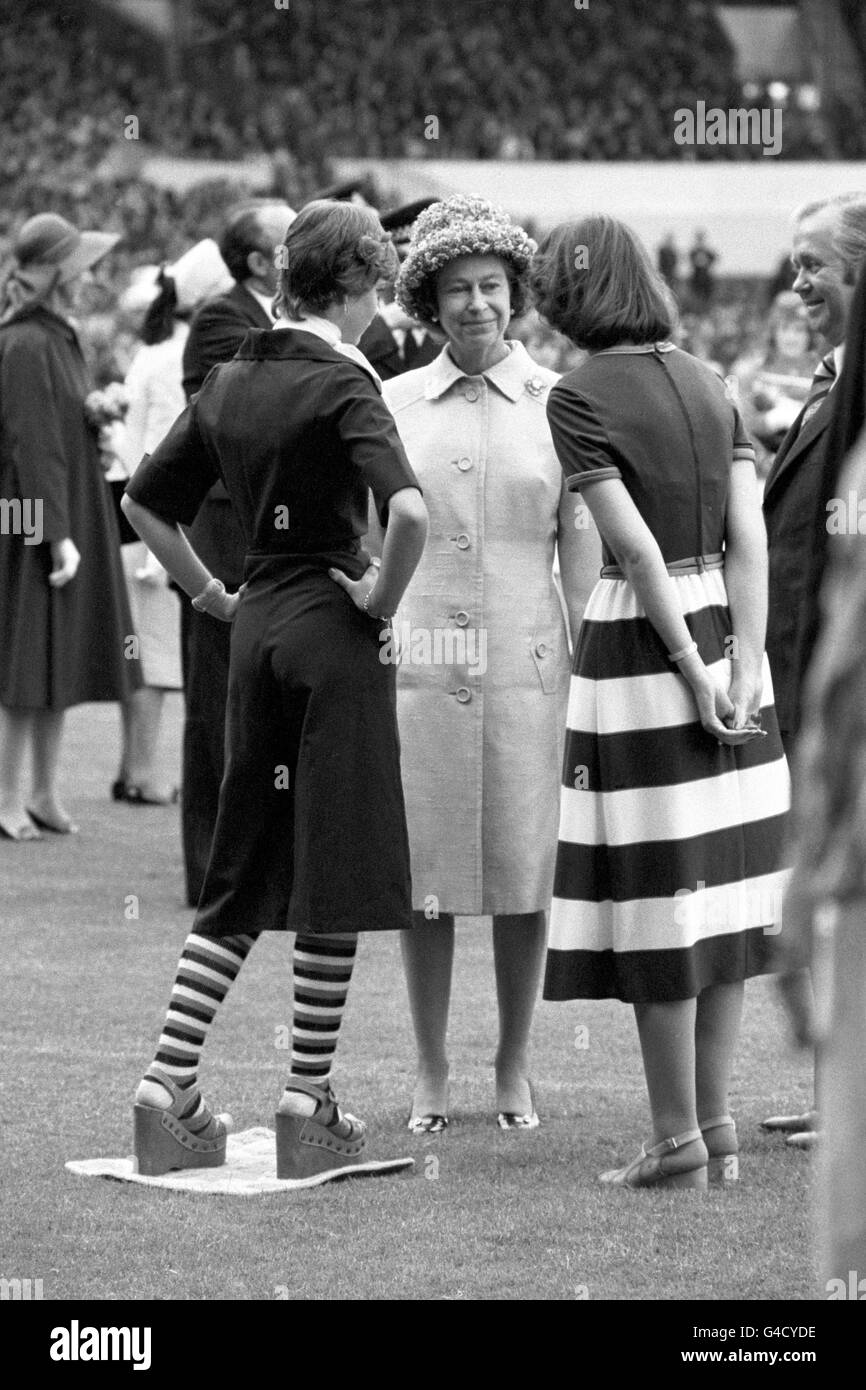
822	381
411	350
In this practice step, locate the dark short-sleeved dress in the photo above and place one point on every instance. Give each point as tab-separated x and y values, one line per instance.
311	830
668	874
67	646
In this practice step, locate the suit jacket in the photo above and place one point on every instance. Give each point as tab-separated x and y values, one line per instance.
794	509
217	332
379	346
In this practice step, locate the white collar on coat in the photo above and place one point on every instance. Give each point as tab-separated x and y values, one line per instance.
512	376
324	328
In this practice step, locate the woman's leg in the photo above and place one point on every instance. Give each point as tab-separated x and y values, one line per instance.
16	730
667	1040
145	717
127	720
208	967
428	958
717	1030
322	967
518	956
47	737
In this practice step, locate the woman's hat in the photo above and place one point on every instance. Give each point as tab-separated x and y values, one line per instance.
458	226
48	240
141	290
200	274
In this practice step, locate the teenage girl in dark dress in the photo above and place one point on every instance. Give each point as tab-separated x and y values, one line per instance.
311	833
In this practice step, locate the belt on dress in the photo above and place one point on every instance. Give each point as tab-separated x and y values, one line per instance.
694	564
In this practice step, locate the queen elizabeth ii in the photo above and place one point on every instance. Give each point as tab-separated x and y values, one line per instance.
482	740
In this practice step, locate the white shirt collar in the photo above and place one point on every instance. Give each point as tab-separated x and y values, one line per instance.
324	328
314	323
838	359
265	300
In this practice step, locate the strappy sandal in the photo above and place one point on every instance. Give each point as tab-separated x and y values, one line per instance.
664	1166
310	1145
723	1167
164	1140
427	1124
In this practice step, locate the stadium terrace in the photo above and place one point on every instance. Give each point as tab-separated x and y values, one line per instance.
737	126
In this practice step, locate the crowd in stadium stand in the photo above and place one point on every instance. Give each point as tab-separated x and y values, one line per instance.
505	80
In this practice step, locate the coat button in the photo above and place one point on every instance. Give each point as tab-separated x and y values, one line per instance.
464	465
464	694
541	649
463	541
472	394
461	618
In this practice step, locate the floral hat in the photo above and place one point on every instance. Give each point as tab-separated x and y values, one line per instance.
459	226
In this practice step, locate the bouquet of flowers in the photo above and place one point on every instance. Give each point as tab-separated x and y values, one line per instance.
103	409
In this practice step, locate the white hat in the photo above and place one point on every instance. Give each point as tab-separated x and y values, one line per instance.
200	274
142	290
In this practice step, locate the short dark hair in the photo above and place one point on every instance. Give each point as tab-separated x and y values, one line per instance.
333	249
427	298
243	235
593	280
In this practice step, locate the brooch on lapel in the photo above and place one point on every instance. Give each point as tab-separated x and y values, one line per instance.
535	386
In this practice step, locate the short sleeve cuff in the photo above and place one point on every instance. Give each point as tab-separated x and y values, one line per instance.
578	481
744	453
156	489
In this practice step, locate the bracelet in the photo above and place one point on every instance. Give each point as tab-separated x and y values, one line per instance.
379	617
686	651
202	603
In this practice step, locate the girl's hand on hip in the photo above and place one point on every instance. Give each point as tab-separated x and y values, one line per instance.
227	606
357	589
66	558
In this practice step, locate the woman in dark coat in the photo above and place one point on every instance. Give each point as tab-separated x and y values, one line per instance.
311	831
64	614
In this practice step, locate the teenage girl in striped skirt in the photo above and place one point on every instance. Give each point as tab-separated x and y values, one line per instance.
675	787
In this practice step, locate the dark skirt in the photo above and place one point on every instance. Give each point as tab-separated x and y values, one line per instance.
311	830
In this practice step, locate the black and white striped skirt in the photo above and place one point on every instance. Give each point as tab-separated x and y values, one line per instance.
668	872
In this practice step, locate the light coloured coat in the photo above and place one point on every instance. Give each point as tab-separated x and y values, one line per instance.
483	679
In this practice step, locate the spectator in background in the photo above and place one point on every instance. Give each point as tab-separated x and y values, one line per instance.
247	247
668	261
781	281
64	614
702	282
394	343
772	384
156	398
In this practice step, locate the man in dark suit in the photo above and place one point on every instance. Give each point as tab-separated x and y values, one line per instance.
393	343
829	248
218	329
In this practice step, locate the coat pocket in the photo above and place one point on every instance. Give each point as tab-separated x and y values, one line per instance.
547	648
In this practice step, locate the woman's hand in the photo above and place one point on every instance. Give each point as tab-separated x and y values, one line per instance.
225	606
359	589
66	558
744	692
716	710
